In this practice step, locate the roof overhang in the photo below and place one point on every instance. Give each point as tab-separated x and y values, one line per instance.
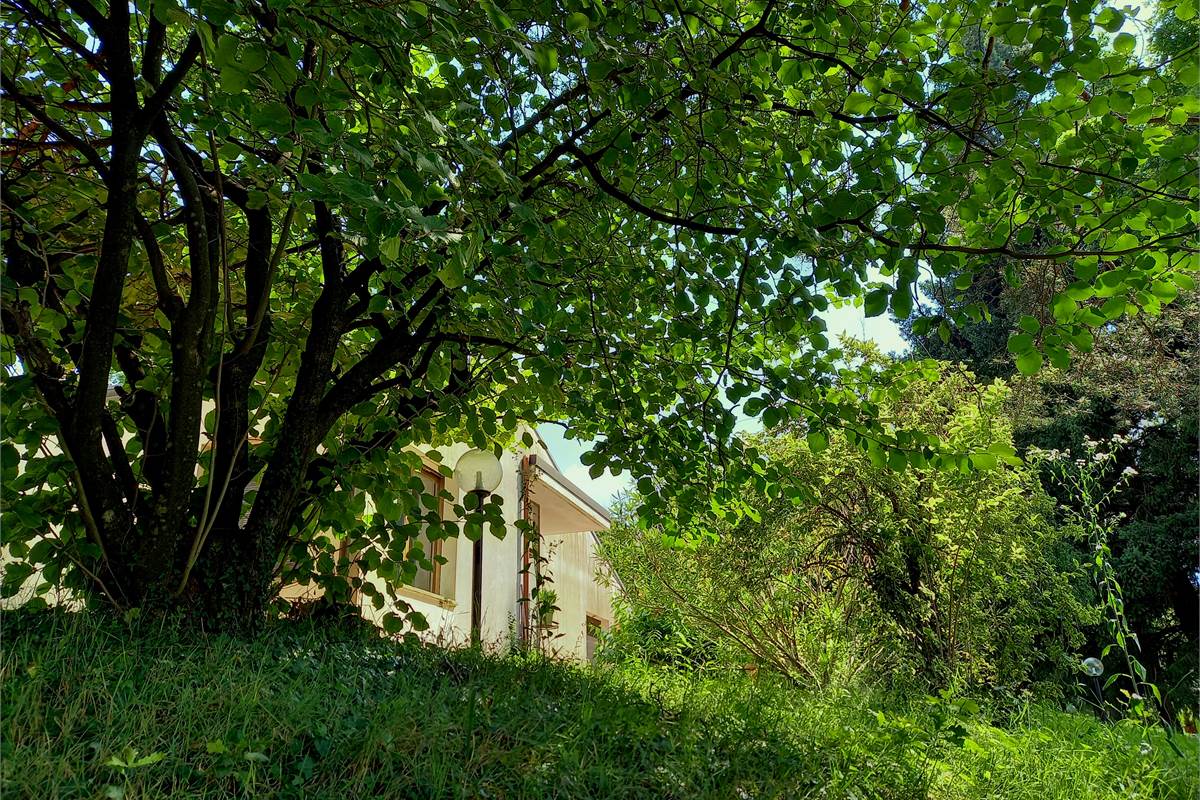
563	506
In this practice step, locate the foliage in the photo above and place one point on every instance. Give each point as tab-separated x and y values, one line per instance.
662	638
1088	481
299	712
911	574
1138	385
295	238
1137	380
1139	388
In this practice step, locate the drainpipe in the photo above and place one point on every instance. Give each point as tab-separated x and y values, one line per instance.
523	601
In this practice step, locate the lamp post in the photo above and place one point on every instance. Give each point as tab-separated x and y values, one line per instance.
1094	668
478	473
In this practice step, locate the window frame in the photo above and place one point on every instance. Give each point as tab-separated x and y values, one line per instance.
435	581
591	641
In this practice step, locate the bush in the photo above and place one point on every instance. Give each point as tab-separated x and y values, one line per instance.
864	571
659	639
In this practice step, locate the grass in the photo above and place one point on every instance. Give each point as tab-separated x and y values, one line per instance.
93	710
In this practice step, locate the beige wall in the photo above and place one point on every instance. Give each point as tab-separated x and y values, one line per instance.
573	569
579	577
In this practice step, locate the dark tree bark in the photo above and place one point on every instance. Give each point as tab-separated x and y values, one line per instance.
168	543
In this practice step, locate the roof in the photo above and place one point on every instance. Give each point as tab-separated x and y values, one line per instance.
546	466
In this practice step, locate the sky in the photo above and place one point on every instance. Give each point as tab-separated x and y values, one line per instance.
846	320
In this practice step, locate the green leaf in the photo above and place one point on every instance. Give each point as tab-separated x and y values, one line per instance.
168	11
789	73
546	58
578	21
308	95
254	57
902	302
1002	449
272	117
389	249
858	104
1124	43
451	275
1063	308
234	80
1110	19
1029	362
1020	343
498	18
1113	308
876	302
983	460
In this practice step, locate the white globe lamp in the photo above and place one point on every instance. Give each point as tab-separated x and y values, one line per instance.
478	472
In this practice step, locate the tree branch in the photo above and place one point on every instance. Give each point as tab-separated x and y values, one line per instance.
35	107
155	104
633	204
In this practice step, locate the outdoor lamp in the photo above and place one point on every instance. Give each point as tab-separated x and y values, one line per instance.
1094	668
478	473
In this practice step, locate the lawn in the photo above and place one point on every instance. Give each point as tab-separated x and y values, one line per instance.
92	711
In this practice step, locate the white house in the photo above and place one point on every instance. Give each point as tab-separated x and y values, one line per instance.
499	604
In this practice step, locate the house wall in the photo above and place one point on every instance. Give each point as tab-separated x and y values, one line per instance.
579	577
573	569
449	611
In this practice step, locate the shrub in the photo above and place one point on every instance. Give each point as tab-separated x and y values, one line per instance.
864	568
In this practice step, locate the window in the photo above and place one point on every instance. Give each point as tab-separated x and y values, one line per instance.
595	628
430	579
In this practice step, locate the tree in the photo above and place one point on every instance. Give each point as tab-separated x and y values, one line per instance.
1137	393
351	227
912	577
1137	382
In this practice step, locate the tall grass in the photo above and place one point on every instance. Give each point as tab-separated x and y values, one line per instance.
93	709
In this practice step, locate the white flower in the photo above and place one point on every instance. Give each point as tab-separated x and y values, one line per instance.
1129	472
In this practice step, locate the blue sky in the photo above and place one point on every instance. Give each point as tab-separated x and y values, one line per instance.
846	320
